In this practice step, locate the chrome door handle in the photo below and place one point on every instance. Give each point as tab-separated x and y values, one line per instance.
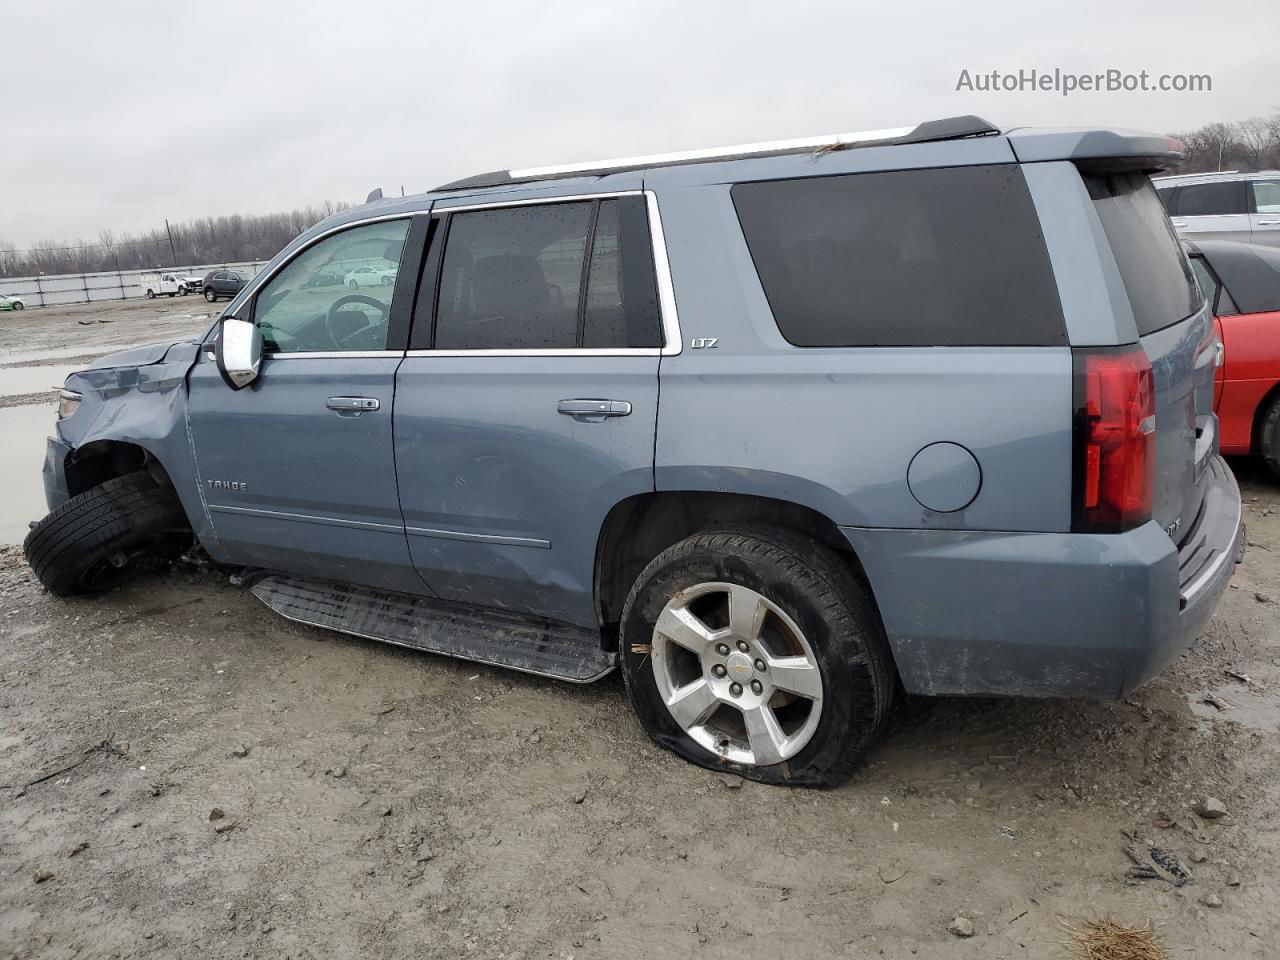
593	411
353	405
1268	223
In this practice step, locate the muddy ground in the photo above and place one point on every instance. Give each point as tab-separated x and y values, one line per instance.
183	773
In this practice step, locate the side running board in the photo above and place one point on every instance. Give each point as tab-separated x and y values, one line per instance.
543	647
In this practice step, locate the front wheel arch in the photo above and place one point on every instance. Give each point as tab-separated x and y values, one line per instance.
93	464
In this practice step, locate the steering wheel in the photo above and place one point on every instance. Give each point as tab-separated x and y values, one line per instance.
332	315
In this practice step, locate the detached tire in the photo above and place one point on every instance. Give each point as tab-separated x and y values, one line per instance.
106	535
756	652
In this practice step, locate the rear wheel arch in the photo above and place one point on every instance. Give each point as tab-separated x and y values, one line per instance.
1269	399
639	528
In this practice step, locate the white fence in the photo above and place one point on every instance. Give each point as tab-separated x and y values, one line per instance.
112	285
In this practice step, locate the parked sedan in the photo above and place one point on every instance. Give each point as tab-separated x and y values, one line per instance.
221	283
367	276
1242	283
12	303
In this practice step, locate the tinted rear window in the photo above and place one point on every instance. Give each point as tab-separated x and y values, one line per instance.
943	257
1162	290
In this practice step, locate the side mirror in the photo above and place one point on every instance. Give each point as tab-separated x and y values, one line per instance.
238	352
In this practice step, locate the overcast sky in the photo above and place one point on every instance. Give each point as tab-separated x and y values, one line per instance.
116	115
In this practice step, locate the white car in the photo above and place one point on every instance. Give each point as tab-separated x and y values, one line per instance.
12	303
367	276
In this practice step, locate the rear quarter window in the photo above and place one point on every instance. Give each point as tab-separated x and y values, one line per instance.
1162	289
940	257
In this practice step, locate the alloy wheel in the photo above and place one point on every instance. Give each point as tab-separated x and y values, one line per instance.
736	673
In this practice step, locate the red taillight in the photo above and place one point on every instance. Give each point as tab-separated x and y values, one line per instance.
1115	421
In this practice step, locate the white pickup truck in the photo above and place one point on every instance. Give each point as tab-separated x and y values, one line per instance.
170	282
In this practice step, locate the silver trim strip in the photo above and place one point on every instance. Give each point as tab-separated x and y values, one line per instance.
445	207
556	352
710	153
333	355
309	518
478	537
666	289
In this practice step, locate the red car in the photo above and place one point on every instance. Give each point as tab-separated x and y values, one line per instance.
1242	281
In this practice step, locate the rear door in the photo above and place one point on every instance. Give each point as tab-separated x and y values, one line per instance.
1215	210
1264	207
526	406
1175	327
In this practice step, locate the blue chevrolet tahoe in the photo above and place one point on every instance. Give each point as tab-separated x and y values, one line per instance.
778	430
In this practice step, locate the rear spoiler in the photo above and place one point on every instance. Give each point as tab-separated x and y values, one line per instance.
1097	151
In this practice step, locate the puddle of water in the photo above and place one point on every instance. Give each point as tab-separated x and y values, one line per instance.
1242	704
45	354
23	431
19	380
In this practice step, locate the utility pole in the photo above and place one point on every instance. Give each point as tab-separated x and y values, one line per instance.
172	250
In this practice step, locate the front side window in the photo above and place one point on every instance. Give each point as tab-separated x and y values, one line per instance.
548	277
1209	199
314	304
1266	196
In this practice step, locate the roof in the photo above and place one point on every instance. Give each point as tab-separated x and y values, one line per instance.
1250	273
952	128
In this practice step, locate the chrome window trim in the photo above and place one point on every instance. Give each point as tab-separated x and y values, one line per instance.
549	352
331	354
672	341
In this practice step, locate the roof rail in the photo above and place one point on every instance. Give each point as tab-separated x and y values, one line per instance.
952	128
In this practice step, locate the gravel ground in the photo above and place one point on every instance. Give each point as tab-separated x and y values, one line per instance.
182	772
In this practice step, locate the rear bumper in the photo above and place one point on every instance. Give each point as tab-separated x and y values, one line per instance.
1050	615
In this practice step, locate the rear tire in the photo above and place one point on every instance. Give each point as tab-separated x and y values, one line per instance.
815	644
354	285
1269	437
106	535
151	294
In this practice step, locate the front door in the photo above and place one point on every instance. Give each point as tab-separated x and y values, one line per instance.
530	410
297	469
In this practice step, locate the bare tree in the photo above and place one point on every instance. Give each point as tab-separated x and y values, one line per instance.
208	240
1257	137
